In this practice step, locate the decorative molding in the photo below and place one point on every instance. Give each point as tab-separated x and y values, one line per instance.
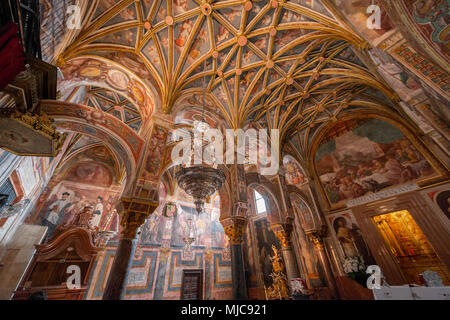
283	232
235	228
21	128
316	239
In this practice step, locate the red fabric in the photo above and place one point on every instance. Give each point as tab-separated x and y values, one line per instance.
12	58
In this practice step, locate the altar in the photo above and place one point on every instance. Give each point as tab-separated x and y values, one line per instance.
412	293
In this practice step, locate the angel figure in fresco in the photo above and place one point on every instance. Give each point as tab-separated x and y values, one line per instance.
200	39
105	4
256	8
247	79
289	16
165	42
274	76
223	34
222	57
180	6
153	54
129	37
127	14
162	13
248	56
232	14
261	43
267	19
222	95
185	30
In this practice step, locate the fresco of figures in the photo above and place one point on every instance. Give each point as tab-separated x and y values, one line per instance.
172	222
366	156
294	173
68	199
84	184
356	12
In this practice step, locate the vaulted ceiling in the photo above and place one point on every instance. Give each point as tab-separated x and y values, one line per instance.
282	64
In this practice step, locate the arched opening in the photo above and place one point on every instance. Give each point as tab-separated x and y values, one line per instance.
260	203
310	267
259	240
88	178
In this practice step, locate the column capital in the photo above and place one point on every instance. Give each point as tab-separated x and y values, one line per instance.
283	232
316	239
164	253
135	212
235	228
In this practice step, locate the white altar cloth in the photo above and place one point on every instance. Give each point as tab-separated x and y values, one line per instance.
412	293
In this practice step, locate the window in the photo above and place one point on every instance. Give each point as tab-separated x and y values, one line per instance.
260	203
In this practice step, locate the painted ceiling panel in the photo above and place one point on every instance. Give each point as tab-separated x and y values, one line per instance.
290	60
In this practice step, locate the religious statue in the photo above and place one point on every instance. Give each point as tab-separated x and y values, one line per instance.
277	262
279	288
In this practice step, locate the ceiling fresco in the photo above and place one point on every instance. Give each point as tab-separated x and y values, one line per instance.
110	102
287	65
96	71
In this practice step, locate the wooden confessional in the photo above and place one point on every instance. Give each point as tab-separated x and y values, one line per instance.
48	271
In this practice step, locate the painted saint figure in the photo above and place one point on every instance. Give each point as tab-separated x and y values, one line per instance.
56	213
345	237
98	211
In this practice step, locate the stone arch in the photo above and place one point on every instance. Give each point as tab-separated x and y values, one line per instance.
116	167
91	70
304	211
305	221
119	138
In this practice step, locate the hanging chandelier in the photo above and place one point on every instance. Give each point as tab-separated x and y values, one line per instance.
200	181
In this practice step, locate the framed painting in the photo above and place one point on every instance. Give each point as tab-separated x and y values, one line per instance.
360	160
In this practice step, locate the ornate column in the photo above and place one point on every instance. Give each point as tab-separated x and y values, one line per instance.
235	229
209	269
135	212
319	247
283	233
